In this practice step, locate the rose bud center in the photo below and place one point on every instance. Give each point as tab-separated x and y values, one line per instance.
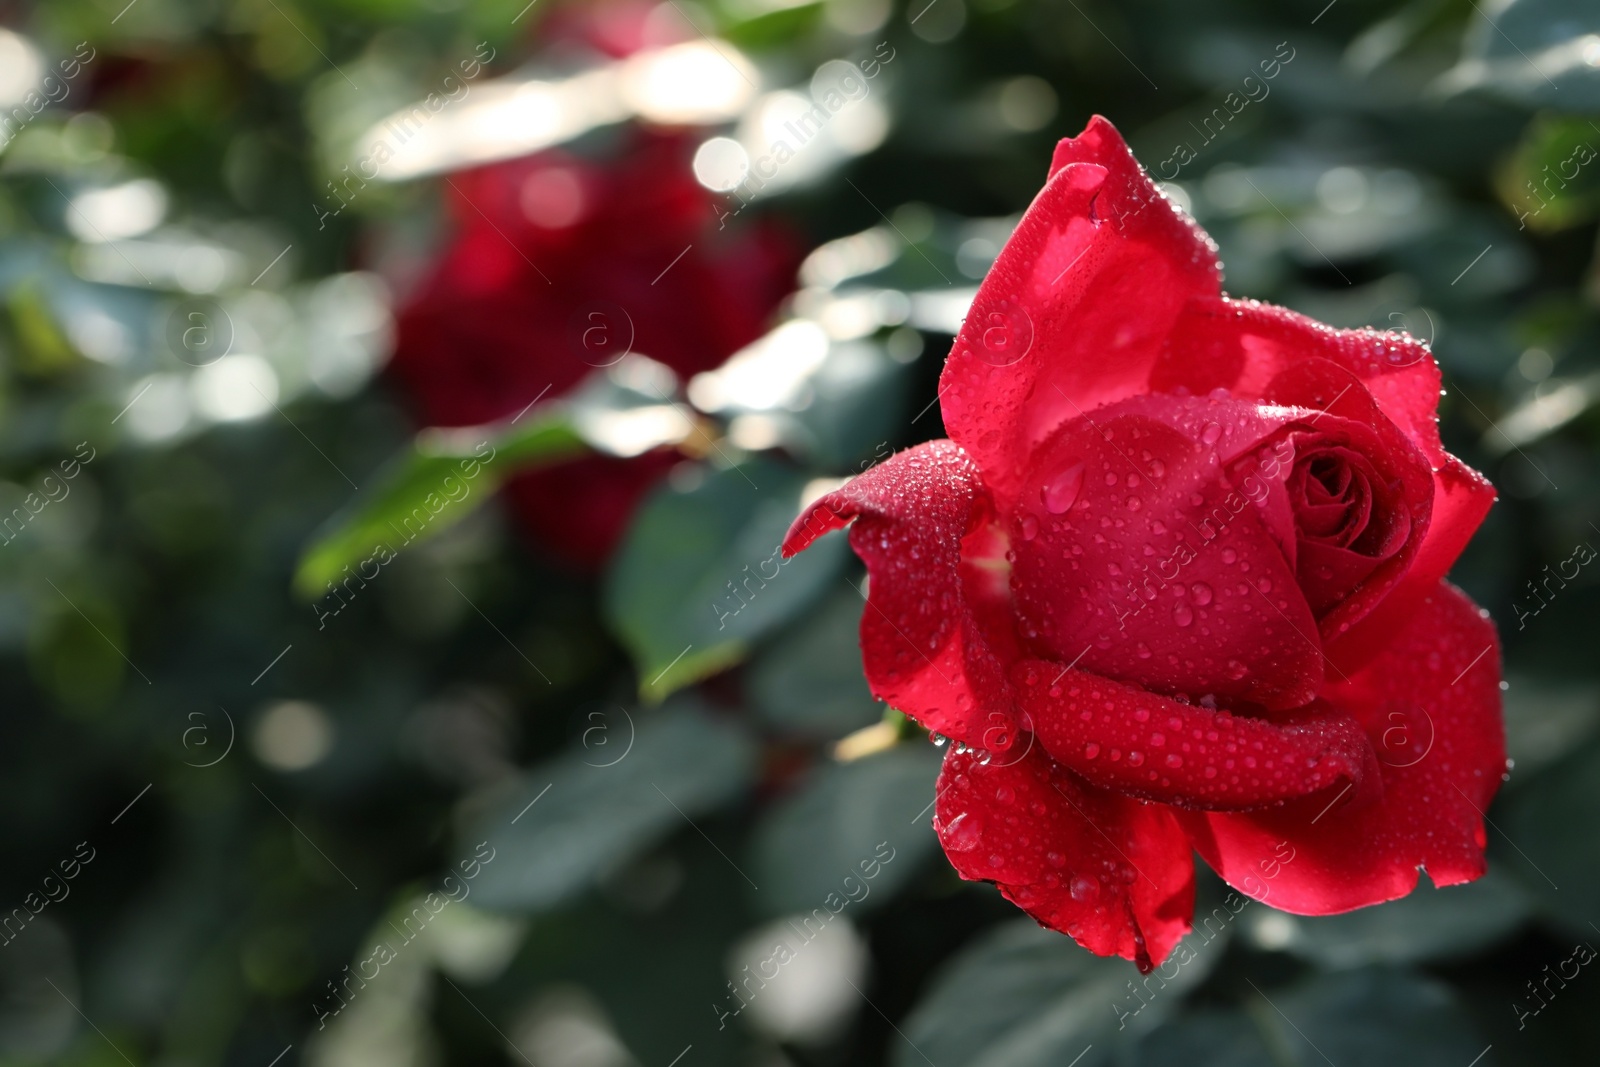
1347	519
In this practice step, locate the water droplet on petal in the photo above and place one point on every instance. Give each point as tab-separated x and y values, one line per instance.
1063	489
1202	593
963	833
1085	889
1182	615
1030	527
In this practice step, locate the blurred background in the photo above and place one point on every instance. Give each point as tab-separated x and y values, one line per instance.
401	402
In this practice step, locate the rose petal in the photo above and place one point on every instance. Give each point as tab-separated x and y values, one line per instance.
1243	345
1461	498
1137	560
1430	704
1124	738
1328	386
1113	873
923	641
1077	307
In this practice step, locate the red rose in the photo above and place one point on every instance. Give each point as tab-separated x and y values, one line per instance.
615	28
543	244
1176	584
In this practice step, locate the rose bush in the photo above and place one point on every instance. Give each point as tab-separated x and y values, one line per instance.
1175	584
560	265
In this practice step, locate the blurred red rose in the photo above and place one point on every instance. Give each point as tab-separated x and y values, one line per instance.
1175	585
544	243
615	28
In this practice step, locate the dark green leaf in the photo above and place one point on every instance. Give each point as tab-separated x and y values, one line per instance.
593	807
1538	52
1375	1018
1429	924
1552	181
1546	837
1025	996
859	401
435	483
1546	719
1206	1039
808	680
699	578
839	819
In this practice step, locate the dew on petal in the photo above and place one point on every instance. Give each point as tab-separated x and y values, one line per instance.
963	833
1059	495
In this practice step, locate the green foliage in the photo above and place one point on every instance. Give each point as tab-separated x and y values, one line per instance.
598	803
1024	997
808	679
438	480
1430	924
1535	51
1378	1017
835	823
700	577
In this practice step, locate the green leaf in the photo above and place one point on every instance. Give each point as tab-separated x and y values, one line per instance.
1374	1018
1552	180
699	577
1430	924
443	477
1025	996
767	25
808	844
1538	52
589	809
809	680
1205	1038
920	249
622	410
1546	718
1546	837
858	404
